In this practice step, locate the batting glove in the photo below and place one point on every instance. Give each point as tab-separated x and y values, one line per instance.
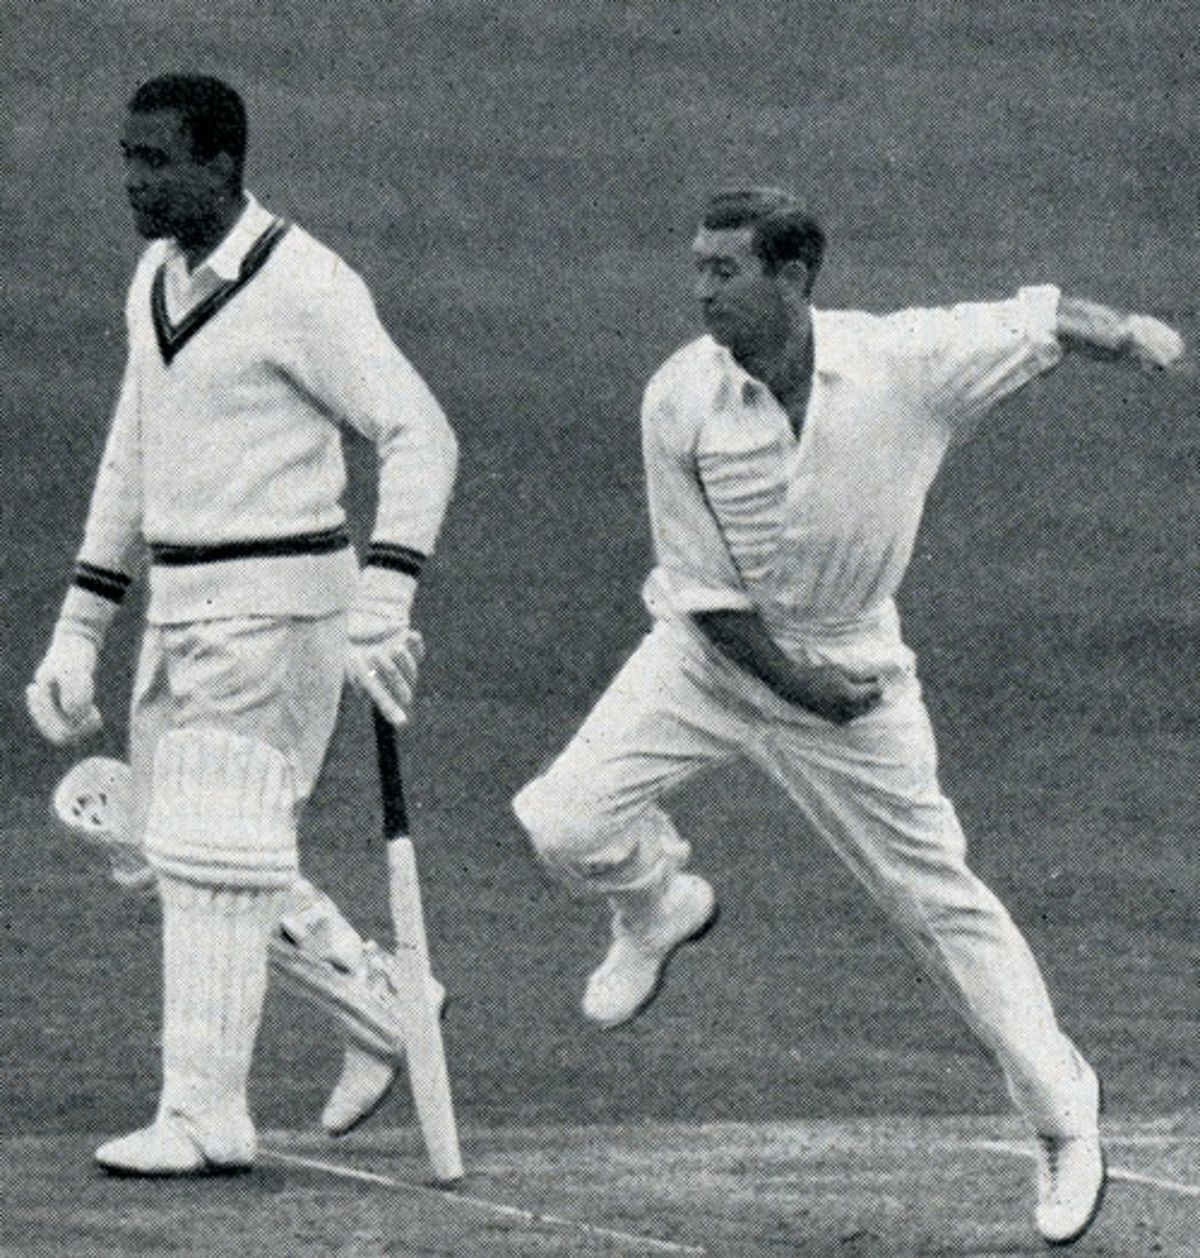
61	697
384	657
385	651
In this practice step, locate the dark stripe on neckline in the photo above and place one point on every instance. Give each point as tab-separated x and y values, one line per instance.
173	337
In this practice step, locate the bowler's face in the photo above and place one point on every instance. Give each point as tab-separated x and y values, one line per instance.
742	307
167	187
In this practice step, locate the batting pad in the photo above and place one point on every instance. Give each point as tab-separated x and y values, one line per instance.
214	982
222	811
318	955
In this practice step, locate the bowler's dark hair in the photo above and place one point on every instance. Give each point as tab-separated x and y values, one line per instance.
210	111
781	229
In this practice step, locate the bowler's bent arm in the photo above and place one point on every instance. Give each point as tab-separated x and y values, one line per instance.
824	689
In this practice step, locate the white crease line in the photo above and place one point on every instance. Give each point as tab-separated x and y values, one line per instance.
1152	1181
494	1207
1114	1172
1151	1141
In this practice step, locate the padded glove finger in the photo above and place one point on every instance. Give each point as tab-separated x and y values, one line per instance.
382	684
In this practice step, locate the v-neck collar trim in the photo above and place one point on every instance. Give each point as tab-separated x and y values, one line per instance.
172	337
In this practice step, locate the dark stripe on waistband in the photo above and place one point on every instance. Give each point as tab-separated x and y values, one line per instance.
103	582
397	558
176	556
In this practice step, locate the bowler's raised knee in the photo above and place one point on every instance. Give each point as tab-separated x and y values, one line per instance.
559	831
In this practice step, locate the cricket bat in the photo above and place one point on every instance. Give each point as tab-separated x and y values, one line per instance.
423	1046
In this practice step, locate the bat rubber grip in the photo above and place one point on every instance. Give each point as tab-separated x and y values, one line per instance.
391	783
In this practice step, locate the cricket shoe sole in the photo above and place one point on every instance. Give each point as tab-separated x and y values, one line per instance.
92	801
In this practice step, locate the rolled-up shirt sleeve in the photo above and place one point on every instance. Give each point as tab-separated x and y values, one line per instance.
966	358
692	557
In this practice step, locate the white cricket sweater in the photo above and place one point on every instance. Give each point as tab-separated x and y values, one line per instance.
225	455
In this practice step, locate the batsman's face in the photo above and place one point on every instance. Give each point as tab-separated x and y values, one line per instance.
169	189
742	306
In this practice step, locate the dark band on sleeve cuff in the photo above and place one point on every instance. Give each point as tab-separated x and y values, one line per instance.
103	582
396	558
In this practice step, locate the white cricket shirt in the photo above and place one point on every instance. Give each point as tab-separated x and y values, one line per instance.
226	431
815	534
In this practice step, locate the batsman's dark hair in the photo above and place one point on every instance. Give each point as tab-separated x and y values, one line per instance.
211	112
782	229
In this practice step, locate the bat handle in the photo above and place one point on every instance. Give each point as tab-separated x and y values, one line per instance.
391	783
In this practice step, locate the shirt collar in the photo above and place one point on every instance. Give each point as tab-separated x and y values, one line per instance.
225	261
832	353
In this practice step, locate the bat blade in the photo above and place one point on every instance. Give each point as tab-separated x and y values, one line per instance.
424	1047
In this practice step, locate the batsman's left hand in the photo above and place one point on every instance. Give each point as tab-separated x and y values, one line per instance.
384	657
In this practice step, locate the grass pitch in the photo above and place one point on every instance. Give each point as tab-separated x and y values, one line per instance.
900	1188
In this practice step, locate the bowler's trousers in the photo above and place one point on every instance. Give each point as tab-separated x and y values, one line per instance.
868	788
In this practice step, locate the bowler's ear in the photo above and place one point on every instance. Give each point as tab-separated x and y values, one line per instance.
797	273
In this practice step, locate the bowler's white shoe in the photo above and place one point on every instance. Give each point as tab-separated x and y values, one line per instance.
632	972
169	1147
1072	1177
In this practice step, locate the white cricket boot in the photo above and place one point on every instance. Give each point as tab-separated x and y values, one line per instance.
631	974
1071	1180
364	1085
367	1072
167	1147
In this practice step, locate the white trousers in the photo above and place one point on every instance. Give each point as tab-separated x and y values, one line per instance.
869	789
277	680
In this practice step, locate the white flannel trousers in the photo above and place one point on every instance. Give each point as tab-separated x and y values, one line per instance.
275	679
869	789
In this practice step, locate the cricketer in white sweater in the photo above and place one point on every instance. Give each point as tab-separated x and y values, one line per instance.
224	455
224	463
